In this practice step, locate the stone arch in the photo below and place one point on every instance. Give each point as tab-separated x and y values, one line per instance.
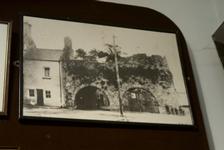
140	99
91	98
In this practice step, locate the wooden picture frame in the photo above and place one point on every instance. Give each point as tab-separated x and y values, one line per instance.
5	41
136	86
9	148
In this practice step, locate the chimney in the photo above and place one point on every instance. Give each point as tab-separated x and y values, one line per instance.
67	43
68	48
27	38
27	29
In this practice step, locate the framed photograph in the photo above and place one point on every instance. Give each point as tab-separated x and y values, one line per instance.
82	71
5	36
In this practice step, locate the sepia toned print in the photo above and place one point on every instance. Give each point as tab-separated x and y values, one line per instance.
5	28
74	70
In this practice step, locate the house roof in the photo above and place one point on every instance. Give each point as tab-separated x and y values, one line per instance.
43	54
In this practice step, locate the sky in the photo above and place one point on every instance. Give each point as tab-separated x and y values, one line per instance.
50	33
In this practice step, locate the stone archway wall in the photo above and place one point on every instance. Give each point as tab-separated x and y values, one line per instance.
142	100
72	87
91	98
162	96
128	85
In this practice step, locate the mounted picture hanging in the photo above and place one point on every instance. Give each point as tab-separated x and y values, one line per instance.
5	35
89	72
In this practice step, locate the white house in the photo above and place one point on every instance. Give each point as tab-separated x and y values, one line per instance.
42	77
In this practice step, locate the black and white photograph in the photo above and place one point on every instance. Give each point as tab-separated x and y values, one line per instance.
5	28
84	71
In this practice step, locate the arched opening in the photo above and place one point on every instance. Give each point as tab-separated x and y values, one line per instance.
140	100
91	98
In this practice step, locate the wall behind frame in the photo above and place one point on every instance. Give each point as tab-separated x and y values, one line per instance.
198	20
40	136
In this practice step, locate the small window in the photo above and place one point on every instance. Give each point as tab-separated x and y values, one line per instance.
46	72
48	94
31	93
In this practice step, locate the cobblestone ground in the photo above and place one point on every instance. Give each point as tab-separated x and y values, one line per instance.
144	117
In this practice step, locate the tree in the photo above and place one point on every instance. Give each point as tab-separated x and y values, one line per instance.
93	53
80	53
111	52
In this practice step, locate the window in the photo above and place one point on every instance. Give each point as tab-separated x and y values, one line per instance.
46	72
31	93
48	94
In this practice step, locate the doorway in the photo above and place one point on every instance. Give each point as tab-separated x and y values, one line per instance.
140	100
40	97
91	98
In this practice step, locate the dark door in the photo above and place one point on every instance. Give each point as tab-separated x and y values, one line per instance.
40	97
